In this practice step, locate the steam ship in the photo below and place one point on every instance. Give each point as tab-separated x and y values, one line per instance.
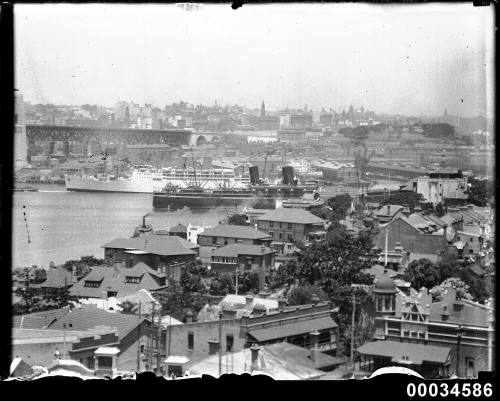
257	194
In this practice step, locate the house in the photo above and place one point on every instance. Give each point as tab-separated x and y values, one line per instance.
388	212
105	282
464	327
38	346
226	234
475	241
287	226
58	277
156	251
413	237
179	230
243	258
131	330
193	340
282	361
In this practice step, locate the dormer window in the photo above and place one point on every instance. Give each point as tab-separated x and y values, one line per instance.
92	284
132	280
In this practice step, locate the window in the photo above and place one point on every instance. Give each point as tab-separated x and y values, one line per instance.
271	234
225	241
271	224
289	237
280	225
229	343
281	235
290	226
190	341
214	240
132	280
92	284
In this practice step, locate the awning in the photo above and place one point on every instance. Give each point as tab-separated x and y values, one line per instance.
292	329
406	353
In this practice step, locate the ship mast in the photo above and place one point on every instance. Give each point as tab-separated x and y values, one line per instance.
194	168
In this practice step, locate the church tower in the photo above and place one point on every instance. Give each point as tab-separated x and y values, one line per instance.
263	109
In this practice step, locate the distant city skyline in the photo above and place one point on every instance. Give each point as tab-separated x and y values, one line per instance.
409	60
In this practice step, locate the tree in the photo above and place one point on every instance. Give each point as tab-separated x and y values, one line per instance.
286	275
129	307
461	288
407	199
449	266
340	204
191	275
40	276
335	232
440	211
222	285
303	295
237	220
480	191
422	273
58	297
178	304
248	282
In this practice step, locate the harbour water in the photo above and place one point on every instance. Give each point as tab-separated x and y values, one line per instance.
56	225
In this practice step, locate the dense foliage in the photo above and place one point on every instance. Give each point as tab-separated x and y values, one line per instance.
237	220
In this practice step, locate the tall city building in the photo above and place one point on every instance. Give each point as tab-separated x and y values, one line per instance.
20	142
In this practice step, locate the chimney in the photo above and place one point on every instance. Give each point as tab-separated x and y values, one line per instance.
73	274
389	210
248	301
445	315
213	347
255	357
116	264
282	302
189	317
314	345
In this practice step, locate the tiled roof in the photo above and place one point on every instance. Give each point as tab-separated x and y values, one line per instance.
285	215
57	277
416	353
109	280
38	320
292	329
87	318
388	210
164	245
234	231
233	250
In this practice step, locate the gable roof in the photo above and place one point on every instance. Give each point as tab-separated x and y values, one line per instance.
38	320
285	215
234	231
57	278
164	245
471	313
389	210
87	318
234	250
109	280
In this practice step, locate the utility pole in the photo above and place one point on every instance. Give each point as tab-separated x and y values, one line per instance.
236	290
158	343
459	340
139	341
220	344
352	334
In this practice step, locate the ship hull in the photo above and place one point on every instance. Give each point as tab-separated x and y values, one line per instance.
81	184
259	199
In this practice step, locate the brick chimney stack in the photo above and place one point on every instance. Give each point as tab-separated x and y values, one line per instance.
248	301
254	349
314	345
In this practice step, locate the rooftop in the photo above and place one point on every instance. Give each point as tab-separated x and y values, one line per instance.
234	231
164	245
285	215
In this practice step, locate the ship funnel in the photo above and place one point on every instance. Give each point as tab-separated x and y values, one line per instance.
254	174
288	178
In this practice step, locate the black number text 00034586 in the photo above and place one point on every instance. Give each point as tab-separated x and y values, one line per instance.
474	390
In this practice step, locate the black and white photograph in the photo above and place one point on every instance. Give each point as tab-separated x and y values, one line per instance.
303	191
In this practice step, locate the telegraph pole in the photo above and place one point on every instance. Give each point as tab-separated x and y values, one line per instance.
139	341
352	334
220	344
158	343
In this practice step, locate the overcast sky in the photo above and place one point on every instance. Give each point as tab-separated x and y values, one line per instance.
414	60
